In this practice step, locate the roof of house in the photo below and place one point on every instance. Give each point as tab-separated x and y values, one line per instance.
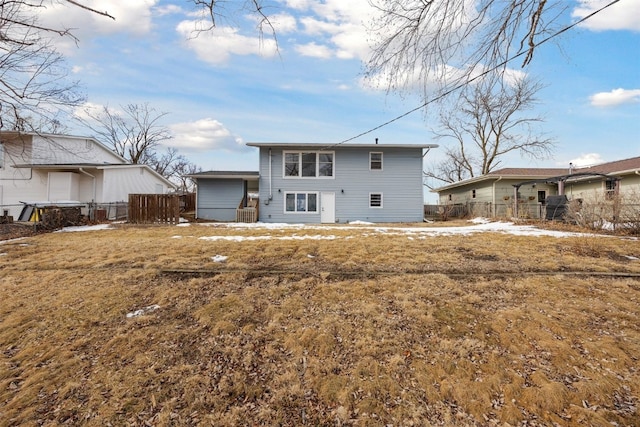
616	167
610	168
331	146
249	175
79	166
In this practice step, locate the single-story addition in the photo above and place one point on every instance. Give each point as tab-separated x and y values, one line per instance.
320	183
493	194
220	194
64	170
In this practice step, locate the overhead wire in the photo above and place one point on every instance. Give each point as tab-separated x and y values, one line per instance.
484	73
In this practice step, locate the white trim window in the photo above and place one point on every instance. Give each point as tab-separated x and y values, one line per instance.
375	161
375	200
308	164
300	202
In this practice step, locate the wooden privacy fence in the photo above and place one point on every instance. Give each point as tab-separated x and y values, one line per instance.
154	208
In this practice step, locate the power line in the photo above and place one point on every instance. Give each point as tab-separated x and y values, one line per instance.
471	80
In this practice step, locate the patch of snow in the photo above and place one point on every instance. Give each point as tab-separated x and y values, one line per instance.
142	311
358	222
219	258
183	224
308	256
2	242
479	220
85	228
631	257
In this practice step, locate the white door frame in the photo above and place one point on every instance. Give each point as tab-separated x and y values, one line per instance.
327	207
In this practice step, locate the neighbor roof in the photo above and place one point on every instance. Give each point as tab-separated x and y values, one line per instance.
249	175
617	167
330	146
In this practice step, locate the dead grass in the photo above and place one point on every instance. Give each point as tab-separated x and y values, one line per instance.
309	345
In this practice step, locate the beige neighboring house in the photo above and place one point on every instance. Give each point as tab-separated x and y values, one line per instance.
494	194
46	169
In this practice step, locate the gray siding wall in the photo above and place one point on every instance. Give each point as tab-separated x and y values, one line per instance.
400	183
219	198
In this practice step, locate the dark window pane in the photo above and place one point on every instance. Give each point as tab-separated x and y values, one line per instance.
301	202
308	164
376	200
291	202
312	202
291	166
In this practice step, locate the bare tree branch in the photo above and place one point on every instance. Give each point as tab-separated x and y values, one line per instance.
488	122
437	42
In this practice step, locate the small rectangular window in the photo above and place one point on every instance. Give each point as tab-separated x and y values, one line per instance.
473	194
375	161
375	200
610	188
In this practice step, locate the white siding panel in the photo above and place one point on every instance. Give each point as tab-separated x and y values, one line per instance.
118	183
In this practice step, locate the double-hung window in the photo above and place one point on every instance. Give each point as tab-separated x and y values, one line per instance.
375	161
301	202
308	164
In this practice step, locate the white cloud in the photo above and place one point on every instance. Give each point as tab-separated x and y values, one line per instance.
283	23
314	50
170	9
205	134
615	97
585	160
132	17
216	45
88	109
624	15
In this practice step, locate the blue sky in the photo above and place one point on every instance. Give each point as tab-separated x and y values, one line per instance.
228	87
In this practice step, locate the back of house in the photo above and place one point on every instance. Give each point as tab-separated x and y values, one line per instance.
322	183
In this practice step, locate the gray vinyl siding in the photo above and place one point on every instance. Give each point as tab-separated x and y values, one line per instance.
218	199
399	182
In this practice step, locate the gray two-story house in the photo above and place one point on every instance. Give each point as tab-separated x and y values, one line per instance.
322	183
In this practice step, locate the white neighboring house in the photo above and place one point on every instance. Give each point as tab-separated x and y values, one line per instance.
68	170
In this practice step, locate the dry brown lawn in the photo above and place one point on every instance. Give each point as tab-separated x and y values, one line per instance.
357	328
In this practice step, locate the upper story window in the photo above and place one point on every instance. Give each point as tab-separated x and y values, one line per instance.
308	164
375	161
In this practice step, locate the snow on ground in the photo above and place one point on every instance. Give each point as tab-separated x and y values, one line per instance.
477	225
85	228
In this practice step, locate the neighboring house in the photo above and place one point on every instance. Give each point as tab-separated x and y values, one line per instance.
323	183
67	170
219	194
494	194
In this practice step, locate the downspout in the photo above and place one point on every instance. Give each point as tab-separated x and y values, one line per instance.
493	195
91	213
270	181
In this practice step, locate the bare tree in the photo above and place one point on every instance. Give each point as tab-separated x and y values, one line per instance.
33	76
436	41
489	121
34	84
134	133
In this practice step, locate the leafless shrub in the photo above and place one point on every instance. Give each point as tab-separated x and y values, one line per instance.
601	211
